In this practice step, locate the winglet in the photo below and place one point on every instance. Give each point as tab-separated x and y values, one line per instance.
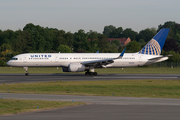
121	55
97	51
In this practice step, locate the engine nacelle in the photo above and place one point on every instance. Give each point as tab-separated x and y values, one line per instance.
76	67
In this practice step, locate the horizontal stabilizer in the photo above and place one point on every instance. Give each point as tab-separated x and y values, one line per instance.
158	58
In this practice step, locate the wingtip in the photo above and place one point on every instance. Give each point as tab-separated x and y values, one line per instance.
122	52
121	55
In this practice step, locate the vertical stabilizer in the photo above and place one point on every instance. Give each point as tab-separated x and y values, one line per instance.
155	45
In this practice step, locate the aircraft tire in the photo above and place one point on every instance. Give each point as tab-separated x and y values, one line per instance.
86	73
91	73
95	73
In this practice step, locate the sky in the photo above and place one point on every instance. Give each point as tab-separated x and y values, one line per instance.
73	15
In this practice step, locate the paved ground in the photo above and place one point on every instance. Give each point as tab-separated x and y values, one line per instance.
14	78
102	108
104	112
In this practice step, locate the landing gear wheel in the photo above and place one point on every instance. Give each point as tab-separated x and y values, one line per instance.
86	73
91	74
95	73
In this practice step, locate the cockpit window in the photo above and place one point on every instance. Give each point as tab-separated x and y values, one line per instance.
14	59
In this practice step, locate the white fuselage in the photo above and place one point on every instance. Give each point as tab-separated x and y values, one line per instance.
64	59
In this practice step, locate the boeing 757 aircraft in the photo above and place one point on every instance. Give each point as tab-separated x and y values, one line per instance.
79	62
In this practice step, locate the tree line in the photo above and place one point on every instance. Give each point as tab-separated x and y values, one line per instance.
37	39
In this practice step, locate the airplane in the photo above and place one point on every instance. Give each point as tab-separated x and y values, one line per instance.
79	62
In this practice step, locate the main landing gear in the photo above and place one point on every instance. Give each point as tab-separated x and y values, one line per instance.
26	72
90	73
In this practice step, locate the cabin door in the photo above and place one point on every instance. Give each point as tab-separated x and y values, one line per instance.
56	58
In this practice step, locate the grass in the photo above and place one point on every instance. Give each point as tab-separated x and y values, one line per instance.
136	70
12	106
140	70
125	88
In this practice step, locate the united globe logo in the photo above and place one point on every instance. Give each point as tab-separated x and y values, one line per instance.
151	48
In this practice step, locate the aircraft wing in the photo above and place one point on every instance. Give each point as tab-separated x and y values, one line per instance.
100	63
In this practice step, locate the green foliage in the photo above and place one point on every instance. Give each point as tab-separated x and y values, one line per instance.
108	29
175	56
113	48
146	34
103	44
177	37
168	24
69	39
81	42
170	45
117	33
142	43
64	49
2	63
133	47
5	47
174	28
35	38
5	53
116	42
113	32
130	33
93	38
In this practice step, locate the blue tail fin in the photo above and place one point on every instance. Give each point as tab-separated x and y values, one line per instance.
155	45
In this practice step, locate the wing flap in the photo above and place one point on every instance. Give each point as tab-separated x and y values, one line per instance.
98	62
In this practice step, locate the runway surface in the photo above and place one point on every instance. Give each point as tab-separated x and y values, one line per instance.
98	108
14	78
102	108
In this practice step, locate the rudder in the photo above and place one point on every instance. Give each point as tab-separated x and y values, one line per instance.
155	45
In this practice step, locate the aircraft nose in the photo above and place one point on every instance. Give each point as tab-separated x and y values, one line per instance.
8	63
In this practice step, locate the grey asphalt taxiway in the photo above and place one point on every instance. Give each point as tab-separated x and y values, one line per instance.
101	108
98	107
19	78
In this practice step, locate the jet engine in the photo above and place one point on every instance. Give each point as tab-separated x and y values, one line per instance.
74	67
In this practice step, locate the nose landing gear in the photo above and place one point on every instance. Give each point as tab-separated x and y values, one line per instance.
26	72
